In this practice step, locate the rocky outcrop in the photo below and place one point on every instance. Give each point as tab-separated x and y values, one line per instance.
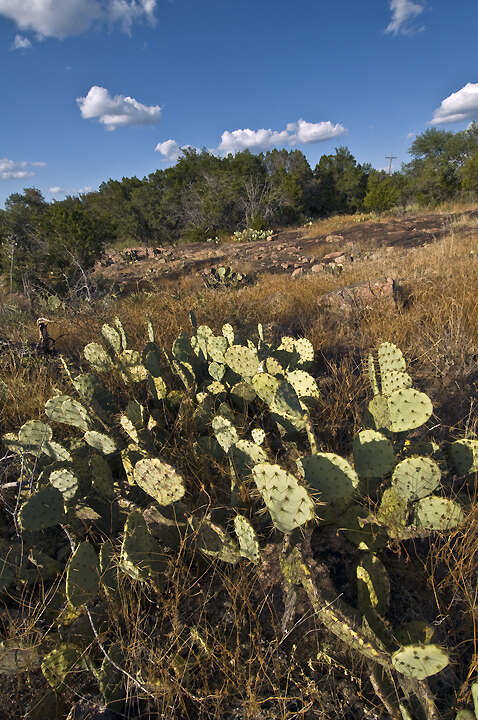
348	303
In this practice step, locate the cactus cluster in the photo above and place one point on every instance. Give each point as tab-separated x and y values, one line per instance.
224	277
125	508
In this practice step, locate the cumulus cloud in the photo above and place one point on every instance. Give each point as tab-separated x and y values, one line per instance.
20	43
118	110
170	150
459	106
11	170
404	13
296	132
61	18
56	190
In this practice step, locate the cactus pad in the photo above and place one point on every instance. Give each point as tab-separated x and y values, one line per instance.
437	513
242	360
395	380
379	415
249	547
108	568
331	475
228	333
140	557
390	359
66	482
225	432
112	339
101	477
42	510
98	358
373	454
82	575
34	437
216	347
463	456
258	436
131	367
289	504
64	409
372	375
305	349
242	393
373	585
416	477
420	661
244	455
159	480
392	511
59	662
265	385
304	385
408	409
100	442
216	371
286	402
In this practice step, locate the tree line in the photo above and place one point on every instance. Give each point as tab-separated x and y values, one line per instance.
204	196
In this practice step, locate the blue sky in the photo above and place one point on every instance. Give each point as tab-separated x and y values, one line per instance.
93	89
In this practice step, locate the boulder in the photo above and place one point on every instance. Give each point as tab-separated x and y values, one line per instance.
348	303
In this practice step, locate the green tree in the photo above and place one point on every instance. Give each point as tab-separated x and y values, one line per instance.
470	174
383	191
342	183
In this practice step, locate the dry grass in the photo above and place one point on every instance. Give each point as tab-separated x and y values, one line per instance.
210	643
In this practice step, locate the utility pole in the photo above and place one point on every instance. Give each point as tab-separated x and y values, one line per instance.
390	157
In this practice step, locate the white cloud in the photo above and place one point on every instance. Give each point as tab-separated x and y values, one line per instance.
56	190
459	106
411	135
170	150
11	170
61	18
307	132
403	14
296	132
20	43
116	111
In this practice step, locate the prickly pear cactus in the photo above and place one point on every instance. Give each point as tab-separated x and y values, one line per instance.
225	432
416	477
463	455
82	575
333	477
437	513
100	441
140	555
242	360
66	482
248	544
374	456
289	504
59	662
373	585
66	410
159	480
45	508
408	409
420	661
